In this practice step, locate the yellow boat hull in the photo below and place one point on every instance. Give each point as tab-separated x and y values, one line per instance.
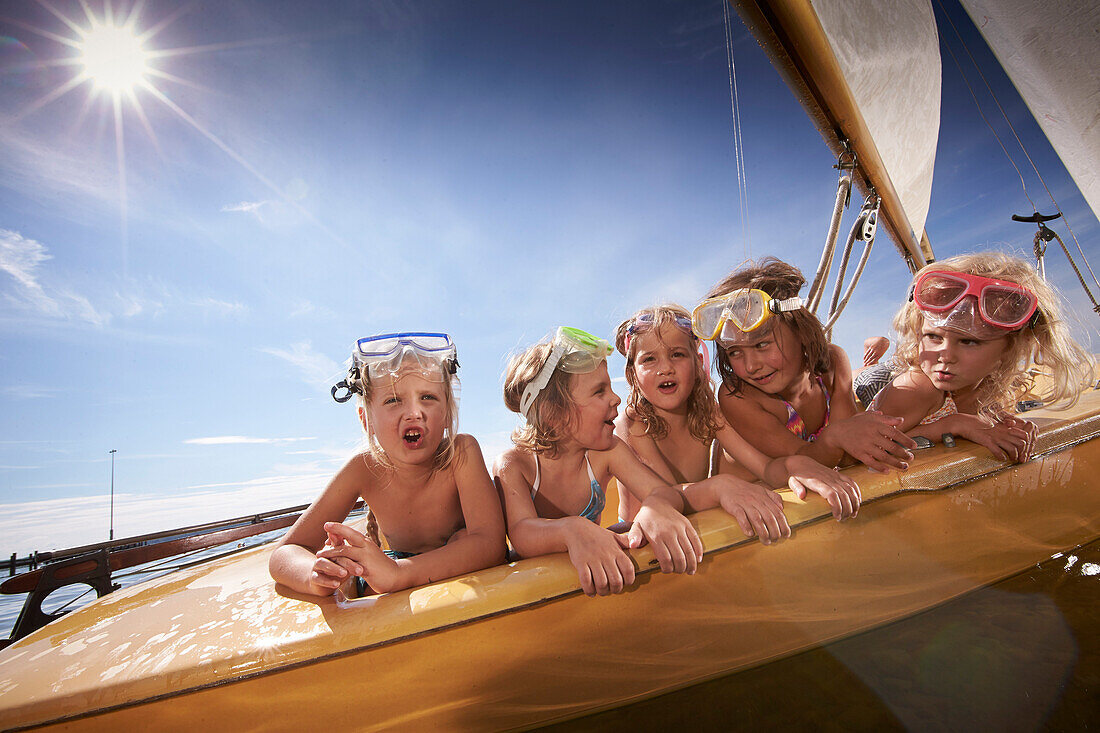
518	645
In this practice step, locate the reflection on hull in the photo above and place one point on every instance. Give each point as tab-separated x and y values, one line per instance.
1022	654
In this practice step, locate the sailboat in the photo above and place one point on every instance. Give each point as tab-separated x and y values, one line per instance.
220	645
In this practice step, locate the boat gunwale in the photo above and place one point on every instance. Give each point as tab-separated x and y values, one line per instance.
1088	428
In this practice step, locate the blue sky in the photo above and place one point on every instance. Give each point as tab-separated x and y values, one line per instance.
309	173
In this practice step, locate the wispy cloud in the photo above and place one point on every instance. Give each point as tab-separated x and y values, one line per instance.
28	391
221	307
247	207
315	368
242	439
302	307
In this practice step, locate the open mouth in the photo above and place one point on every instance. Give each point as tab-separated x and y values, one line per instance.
764	379
666	387
413	437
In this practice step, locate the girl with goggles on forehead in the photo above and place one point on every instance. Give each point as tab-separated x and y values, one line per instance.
553	479
784	387
673	423
426	486
968	332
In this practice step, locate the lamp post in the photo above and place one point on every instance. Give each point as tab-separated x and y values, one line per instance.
112	535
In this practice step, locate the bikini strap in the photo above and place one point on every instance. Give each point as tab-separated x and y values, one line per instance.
535	485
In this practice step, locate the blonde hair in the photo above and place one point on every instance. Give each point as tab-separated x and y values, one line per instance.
702	407
1045	341
780	280
551	413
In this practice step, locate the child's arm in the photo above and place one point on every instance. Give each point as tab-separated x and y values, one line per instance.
1008	439
912	396
660	519
294	561
872	438
479	545
758	511
631	433
598	554
868	437
800	473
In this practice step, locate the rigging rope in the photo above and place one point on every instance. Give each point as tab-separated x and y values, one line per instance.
738	146
1022	148
864	229
843	196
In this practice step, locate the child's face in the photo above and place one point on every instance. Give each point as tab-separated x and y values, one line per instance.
769	361
954	360
595	408
409	415
665	365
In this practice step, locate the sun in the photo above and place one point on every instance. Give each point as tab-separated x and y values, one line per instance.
113	58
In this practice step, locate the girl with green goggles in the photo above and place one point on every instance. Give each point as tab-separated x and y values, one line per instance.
574	351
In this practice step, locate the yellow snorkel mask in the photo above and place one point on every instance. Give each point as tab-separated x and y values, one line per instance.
746	309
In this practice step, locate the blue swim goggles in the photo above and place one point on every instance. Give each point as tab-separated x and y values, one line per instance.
432	355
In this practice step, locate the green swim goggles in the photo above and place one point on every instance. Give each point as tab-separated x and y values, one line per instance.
574	351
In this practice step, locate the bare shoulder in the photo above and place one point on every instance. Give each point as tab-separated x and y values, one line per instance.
360	474
910	390
467	448
628	428
604	460
842	368
738	406
515	463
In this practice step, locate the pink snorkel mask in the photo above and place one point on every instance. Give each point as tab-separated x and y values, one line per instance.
965	318
982	307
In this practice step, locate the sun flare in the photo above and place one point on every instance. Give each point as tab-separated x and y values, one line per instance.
113	58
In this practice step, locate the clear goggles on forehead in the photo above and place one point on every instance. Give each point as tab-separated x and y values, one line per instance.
746	309
646	321
431	355
573	351
950	298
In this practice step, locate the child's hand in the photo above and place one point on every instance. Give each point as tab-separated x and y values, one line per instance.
841	492
600	558
1030	429
758	511
873	439
353	552
675	542
1009	439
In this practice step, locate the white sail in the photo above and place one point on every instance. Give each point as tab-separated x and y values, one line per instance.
889	55
1051	51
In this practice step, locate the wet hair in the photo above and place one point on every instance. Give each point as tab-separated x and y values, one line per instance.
358	383
553	409
702	408
1046	340
781	281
